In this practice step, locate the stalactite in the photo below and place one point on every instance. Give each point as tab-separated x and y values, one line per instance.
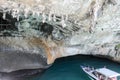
13	14
4	15
26	13
38	14
54	18
66	17
63	22
33	13
96	9
43	17
17	13
18	17
50	16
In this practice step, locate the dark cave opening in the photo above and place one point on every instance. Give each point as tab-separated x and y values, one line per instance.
46	29
7	26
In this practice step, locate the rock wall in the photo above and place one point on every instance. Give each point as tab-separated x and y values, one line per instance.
89	27
22	53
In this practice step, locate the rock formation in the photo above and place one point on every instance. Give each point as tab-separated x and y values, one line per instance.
39	31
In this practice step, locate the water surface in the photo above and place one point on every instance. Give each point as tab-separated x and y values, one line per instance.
69	68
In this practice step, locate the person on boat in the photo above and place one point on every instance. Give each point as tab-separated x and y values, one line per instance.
87	68
100	77
113	78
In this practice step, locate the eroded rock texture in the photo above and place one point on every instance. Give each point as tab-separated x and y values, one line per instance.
44	30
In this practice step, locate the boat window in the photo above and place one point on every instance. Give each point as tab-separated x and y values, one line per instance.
95	73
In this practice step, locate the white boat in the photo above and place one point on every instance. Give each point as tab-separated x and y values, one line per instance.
101	73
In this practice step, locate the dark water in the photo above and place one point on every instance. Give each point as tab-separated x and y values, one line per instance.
69	68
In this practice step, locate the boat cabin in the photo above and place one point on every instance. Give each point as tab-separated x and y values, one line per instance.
107	74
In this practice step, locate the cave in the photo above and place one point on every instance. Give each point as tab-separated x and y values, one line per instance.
46	29
7	26
38	34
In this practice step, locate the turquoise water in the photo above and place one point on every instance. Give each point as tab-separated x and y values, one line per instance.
69	68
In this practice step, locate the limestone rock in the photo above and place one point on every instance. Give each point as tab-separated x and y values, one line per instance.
89	27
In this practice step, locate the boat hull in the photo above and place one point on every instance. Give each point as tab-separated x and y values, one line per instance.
89	73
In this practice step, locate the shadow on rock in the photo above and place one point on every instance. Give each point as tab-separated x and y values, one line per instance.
22	74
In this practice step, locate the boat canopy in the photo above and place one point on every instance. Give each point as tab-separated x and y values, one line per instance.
107	72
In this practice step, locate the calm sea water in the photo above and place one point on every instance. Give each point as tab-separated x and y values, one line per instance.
69	68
